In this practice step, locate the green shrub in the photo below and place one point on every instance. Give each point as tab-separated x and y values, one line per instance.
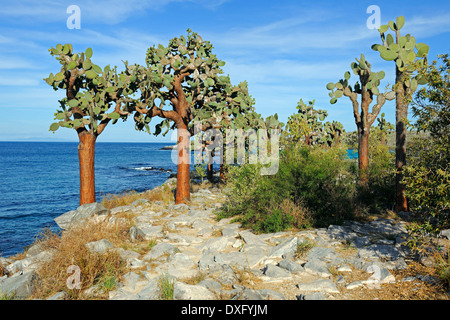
310	188
379	195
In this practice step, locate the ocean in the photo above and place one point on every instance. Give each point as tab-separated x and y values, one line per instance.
39	181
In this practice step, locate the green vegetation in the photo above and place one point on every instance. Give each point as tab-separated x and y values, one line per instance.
166	287
427	176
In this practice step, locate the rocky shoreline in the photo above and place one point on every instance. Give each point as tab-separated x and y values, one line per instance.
339	262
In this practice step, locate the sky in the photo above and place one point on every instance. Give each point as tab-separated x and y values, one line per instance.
286	50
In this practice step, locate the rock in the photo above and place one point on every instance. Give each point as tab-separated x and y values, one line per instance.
429	279
215	244
283	248
148	231
178	207
121	209
272	271
29	263
223	274
136	234
236	259
445	233
183	240
129	280
159	250
312	296
178	266
84	212
317	267
100	246
150	291
380	275
344	268
211	285
184	291
20	286
93	291
58	296
321	253
255	255
127	254
251	239
249	294
140	202
354	285
269	294
380	251
323	285
290	265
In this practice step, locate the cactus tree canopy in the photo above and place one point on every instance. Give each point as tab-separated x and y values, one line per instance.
367	89
408	56
94	98
180	82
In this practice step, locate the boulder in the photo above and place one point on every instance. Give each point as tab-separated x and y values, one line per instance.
321	285
19	286
183	291
84	212
284	248
159	250
100	246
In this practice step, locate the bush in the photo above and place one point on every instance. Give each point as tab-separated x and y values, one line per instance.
379	195
310	188
427	174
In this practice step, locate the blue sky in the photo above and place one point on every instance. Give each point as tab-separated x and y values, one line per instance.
286	50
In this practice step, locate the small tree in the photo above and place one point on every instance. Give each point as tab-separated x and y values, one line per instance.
185	75
91	92
367	88
408	57
306	125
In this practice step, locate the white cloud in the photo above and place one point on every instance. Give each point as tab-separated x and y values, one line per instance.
101	11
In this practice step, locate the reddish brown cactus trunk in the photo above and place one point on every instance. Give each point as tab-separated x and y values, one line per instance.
363	159
86	155
183	192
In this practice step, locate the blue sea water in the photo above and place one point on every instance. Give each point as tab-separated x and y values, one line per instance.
39	181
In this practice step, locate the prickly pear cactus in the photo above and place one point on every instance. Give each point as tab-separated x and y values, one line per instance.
407	54
366	87
90	91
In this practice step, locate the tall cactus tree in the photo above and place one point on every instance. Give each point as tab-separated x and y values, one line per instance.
367	89
94	98
180	74
408	56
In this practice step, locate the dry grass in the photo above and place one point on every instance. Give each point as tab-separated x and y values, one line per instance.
163	193
69	249
302	217
196	279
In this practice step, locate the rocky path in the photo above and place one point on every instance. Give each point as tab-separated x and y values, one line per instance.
210	260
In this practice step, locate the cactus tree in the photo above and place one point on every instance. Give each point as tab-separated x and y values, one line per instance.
367	89
408	57
94	98
224	106
182	75
306	125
